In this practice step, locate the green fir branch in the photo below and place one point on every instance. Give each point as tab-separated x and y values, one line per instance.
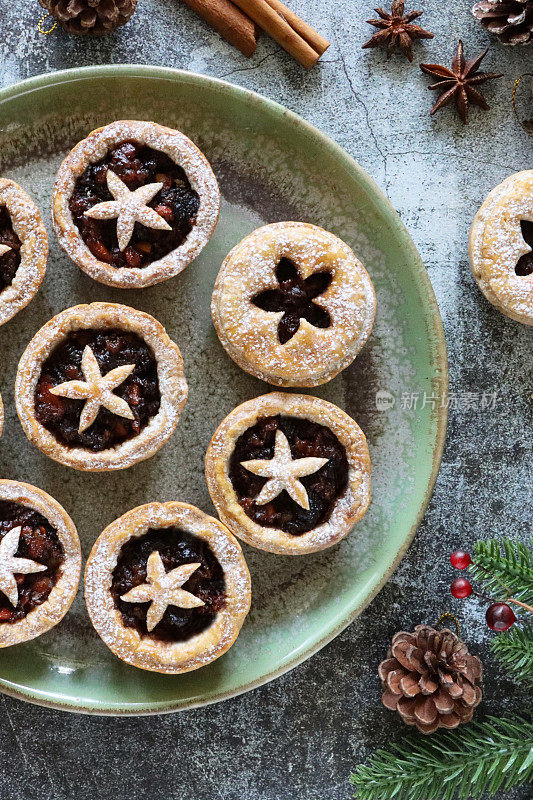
514	650
505	568
476	759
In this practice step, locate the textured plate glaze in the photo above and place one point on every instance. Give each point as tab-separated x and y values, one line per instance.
271	166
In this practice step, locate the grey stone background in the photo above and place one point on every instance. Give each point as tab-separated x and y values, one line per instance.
299	736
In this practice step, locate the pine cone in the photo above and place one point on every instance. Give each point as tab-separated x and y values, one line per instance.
90	16
430	678
510	20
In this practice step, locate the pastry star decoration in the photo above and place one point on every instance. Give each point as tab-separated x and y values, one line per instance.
11	566
163	589
4	248
128	208
284	472
96	389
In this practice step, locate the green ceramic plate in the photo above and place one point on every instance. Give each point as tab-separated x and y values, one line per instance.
271	166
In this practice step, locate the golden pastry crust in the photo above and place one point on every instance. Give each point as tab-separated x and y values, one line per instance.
250	335
496	244
184	153
28	226
148	652
348	509
172	386
49	613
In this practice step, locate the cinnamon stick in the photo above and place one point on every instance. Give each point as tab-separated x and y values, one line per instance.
234	25
312	37
277	26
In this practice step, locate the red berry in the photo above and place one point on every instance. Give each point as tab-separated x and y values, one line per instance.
500	617
460	559
461	588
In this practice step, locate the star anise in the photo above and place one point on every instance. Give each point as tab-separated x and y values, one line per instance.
396	30
459	82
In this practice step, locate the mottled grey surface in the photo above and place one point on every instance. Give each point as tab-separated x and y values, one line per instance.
299	736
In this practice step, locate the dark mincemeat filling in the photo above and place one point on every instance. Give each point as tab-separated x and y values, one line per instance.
295	296
112	348
324	487
525	263
176	547
136	165
39	542
10	261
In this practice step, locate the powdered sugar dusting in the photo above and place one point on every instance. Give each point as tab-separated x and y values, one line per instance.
183	152
172	385
147	652
261	183
249	334
347	509
496	245
28	226
49	613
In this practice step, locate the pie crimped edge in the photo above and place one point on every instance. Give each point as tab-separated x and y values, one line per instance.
250	335
495	244
147	652
93	148
349	508
172	385
54	608
28	225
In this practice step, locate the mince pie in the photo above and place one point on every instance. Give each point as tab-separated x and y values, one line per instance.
23	249
500	247
40	562
134	203
100	387
292	305
167	587
289	473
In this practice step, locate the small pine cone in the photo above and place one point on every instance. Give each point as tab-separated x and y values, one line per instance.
510	20
430	679
95	17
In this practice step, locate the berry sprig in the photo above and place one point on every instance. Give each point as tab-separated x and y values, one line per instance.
500	616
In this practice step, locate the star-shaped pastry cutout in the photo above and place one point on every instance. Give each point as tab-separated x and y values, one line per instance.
11	566
283	472
128	208
163	589
295	298
96	389
4	248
